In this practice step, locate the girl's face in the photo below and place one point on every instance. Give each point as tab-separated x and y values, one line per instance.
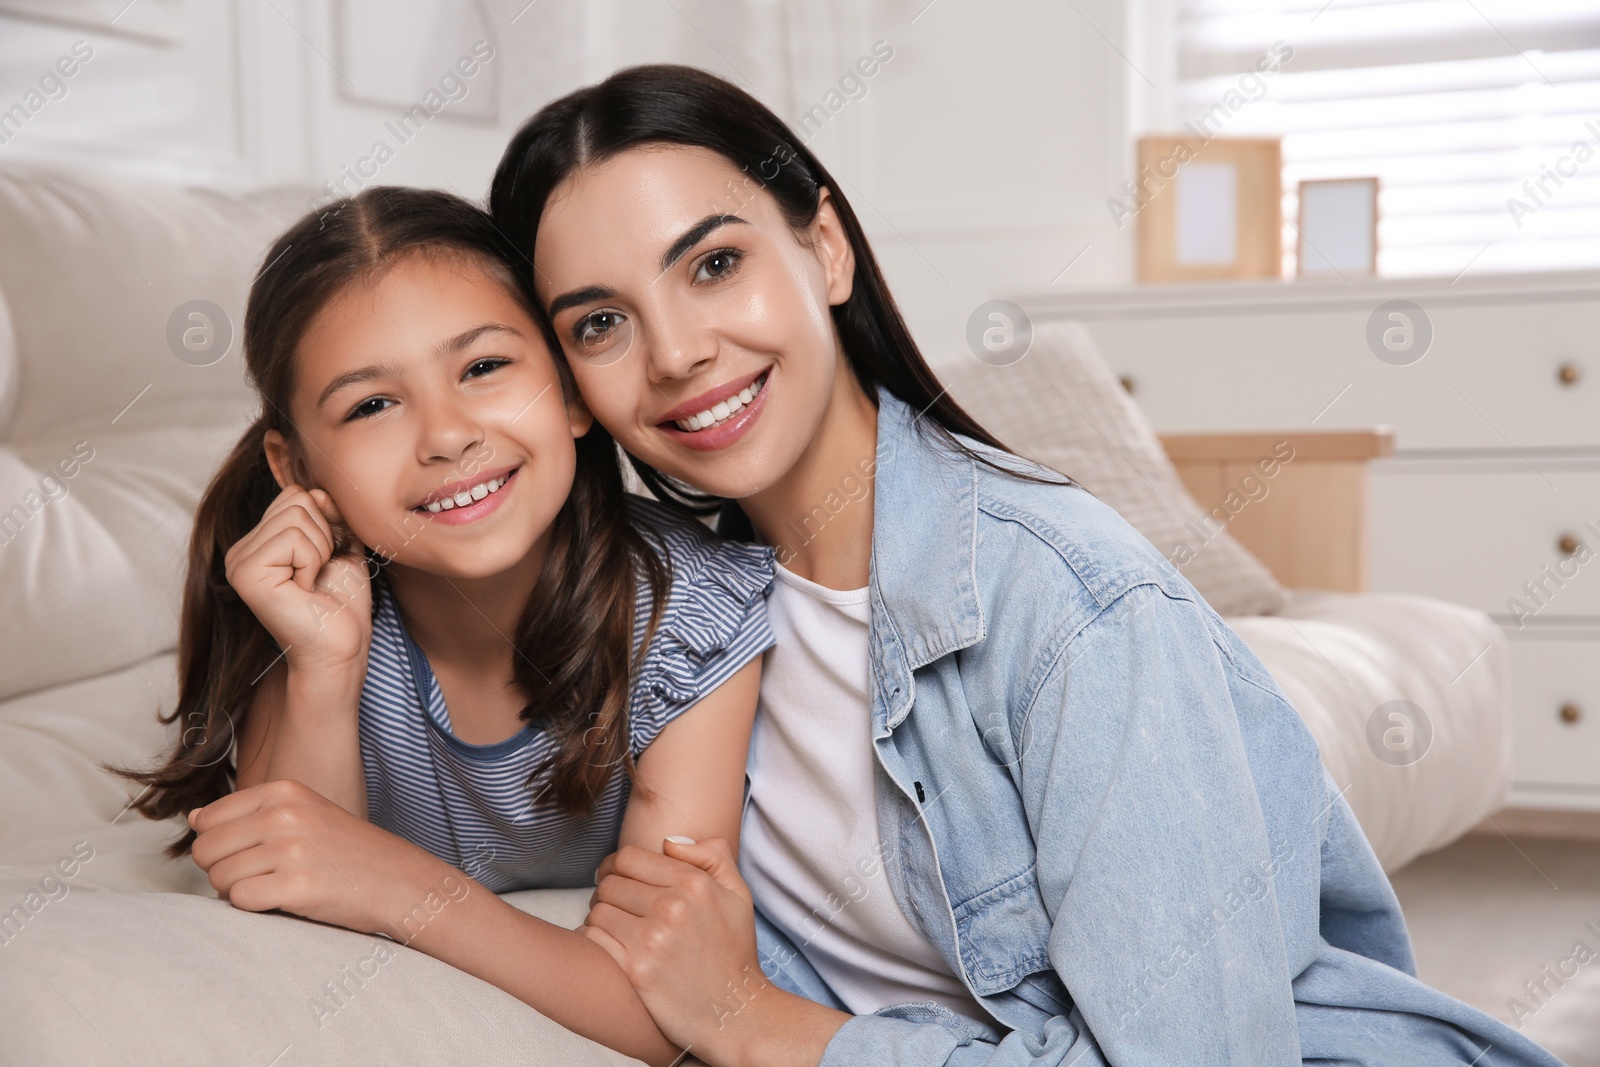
694	317
433	384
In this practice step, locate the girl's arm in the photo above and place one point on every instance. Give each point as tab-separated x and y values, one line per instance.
691	777
304	725
315	599
252	845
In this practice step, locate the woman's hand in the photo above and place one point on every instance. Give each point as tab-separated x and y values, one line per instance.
681	926
283	845
305	578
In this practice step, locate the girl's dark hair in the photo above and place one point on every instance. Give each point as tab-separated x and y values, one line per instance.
677	105
574	651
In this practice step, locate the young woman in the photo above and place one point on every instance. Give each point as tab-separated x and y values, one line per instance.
1017	794
522	647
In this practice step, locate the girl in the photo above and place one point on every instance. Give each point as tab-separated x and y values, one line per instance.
1018	795
521	645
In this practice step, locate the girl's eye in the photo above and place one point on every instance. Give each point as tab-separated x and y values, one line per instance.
718	264
365	409
485	365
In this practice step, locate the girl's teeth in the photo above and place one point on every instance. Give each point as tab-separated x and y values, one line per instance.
724	409
462	499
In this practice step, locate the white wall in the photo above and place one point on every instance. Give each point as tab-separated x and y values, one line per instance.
979	158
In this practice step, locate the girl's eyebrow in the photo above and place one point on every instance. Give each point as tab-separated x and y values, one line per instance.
371	372
687	240
466	337
391	369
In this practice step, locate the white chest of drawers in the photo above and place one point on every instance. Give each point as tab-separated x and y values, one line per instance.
1492	496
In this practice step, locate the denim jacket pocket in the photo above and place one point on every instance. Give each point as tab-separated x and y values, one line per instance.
1004	934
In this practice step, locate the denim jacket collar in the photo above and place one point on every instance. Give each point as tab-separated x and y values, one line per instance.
924	588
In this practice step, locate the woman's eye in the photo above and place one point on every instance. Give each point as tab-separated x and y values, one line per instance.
485	366
366	408
717	264
595	328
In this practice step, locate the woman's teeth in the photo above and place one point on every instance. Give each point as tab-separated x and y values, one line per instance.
723	410
467	496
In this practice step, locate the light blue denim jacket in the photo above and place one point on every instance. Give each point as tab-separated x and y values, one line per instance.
1103	811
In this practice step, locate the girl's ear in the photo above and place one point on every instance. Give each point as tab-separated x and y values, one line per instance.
833	247
280	458
579	417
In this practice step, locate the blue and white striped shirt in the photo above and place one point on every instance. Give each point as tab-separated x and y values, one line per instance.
470	805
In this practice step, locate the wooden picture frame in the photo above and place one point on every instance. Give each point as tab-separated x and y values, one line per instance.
1338	236
1208	209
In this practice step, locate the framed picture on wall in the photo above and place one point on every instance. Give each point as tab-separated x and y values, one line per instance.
1208	209
1338	228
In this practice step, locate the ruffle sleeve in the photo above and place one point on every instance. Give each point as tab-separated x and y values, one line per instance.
714	621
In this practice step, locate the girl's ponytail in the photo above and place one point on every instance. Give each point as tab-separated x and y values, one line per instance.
222	648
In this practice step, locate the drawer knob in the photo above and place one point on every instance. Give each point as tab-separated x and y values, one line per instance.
1569	373
1127	384
1569	544
1570	713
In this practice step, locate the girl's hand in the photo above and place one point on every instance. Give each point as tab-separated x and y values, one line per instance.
284	845
681	926
305	578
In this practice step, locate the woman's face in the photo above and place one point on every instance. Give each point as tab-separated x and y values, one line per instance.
694	317
432	384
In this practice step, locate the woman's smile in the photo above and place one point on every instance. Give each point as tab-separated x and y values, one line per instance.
717	418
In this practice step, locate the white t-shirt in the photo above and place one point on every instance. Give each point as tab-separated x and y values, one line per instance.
809	846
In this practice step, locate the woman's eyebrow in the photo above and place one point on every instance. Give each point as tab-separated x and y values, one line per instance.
694	235
687	240
586	295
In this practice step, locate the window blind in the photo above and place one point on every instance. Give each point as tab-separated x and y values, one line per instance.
1480	118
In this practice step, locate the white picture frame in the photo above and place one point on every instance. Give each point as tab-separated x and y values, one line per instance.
1338	228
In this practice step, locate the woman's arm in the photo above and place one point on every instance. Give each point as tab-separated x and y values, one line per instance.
304	725
1136	783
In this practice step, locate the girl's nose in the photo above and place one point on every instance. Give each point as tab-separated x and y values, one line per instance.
449	430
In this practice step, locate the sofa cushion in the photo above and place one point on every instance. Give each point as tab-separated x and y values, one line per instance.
112	437
94	269
1351	662
110	950
8	363
103	964
1061	406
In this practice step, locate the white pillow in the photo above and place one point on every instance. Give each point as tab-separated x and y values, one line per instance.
1060	405
112	437
94	269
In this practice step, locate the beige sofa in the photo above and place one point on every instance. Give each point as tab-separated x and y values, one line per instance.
110	954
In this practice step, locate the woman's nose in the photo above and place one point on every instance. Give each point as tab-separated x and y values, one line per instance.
679	345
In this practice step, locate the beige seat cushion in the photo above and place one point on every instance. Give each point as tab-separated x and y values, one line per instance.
1340	657
132	958
1060	405
104	967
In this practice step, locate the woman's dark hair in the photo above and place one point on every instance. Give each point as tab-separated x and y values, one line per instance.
670	104
574	653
